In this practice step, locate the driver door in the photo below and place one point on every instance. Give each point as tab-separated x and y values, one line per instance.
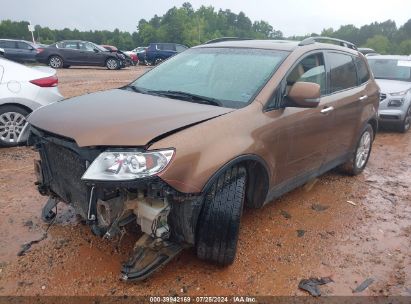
303	133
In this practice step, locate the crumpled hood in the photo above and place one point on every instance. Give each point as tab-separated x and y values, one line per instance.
119	117
393	86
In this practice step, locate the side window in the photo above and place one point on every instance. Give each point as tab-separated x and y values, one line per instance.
23	46
309	69
362	70
343	74
180	48
71	45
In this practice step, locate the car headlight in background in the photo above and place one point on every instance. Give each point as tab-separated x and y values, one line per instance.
127	165
396	102
399	93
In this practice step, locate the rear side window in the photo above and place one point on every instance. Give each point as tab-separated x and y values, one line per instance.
343	74
362	70
71	45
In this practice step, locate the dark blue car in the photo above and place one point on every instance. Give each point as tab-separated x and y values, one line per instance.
157	52
19	50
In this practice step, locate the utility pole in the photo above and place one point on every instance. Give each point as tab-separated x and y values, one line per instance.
31	29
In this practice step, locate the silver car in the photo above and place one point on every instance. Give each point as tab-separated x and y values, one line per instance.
22	90
393	75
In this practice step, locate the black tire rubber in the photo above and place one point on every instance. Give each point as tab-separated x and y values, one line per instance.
61	62
12	108
403	128
350	167
219	222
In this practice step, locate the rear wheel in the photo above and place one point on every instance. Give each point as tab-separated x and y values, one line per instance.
12	121
406	124
356	164
219	222
158	61
56	62
112	64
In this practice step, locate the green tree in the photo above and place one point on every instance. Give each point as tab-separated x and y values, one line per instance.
379	43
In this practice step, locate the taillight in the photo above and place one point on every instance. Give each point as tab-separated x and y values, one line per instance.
39	50
46	82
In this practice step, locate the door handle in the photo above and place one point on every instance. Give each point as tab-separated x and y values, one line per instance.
364	97
327	110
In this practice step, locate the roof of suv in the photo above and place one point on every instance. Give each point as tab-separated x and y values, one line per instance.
281	45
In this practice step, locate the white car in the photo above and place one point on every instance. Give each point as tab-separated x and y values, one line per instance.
22	90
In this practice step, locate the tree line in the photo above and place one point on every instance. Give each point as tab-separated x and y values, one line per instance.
191	27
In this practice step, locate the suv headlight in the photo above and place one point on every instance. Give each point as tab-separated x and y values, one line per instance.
127	165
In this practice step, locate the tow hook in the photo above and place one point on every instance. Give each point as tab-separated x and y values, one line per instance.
149	254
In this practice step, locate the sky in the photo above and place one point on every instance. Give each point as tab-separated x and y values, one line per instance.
292	17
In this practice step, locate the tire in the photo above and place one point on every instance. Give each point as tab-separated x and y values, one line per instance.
219	222
406	124
359	159
158	61
12	121
56	62
112	64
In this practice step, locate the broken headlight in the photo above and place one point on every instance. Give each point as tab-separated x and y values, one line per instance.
127	165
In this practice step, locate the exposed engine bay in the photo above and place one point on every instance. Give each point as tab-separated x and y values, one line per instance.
167	219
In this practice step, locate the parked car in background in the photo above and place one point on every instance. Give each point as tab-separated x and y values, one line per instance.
66	53
158	52
393	75
19	50
140	52
368	52
22	90
121	54
185	147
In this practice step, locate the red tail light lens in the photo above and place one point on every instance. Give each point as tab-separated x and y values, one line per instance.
46	82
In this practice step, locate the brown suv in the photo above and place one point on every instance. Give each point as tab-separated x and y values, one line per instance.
182	149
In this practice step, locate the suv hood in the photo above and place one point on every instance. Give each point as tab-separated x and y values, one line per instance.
120	117
393	86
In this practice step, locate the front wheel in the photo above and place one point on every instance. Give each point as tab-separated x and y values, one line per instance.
356	164
112	64
12	121
219	222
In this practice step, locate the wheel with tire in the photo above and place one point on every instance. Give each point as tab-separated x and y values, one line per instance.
358	160
219	222
158	61
112	64
56	62
12	121
406	124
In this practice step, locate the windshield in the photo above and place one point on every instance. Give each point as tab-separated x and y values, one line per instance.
391	69
232	76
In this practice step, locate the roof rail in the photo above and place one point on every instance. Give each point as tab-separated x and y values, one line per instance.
311	40
222	39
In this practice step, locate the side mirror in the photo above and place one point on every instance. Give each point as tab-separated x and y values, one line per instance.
305	94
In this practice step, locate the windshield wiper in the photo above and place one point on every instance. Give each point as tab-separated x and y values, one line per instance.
136	89
188	96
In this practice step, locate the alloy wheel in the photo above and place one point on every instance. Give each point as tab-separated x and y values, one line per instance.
363	149
11	125
407	121
112	64
55	62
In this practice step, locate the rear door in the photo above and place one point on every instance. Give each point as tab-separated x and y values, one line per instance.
26	52
348	94
70	52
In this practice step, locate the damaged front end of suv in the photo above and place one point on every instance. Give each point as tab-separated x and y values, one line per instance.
111	188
